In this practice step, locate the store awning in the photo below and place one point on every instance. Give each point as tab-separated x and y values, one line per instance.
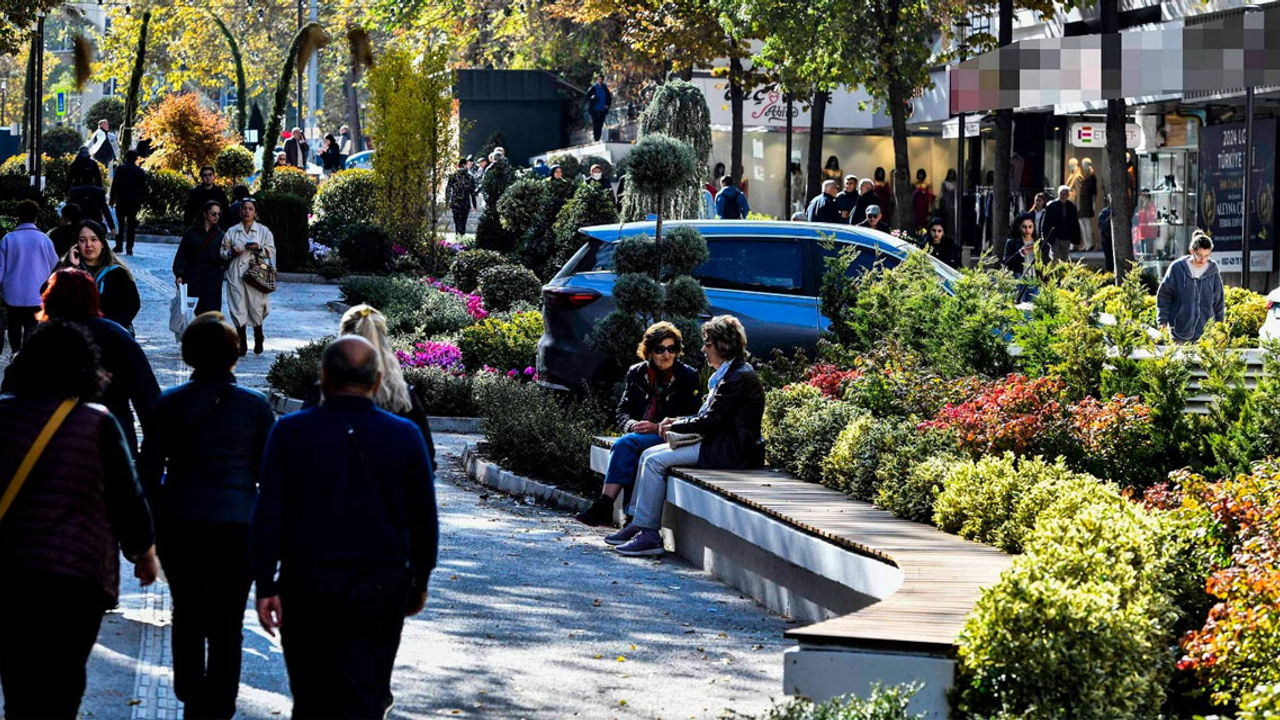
1232	51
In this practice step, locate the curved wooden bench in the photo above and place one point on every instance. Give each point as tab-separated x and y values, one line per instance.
893	594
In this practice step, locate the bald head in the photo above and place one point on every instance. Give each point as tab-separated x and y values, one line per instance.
349	366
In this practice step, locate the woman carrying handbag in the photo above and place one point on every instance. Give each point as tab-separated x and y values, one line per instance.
251	275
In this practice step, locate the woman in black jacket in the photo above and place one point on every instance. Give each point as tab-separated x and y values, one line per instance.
198	262
394	395
116	288
724	434
938	244
199	467
658	387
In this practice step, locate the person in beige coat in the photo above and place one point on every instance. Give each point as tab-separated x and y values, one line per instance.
245	304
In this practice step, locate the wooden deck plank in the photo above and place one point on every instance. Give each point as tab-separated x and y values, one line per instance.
943	575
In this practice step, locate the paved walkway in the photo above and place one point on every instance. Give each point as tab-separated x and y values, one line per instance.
530	614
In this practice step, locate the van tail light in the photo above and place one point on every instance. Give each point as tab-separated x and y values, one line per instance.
568	298
1270	304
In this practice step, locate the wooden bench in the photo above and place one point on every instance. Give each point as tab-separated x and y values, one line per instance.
885	598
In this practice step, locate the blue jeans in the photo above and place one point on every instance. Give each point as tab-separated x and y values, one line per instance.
624	461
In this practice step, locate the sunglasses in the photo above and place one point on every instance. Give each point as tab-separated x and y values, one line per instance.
667	350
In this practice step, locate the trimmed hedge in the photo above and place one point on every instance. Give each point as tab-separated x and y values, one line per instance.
502	343
167	192
505	286
286	216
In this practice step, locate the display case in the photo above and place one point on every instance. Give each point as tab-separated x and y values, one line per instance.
1165	209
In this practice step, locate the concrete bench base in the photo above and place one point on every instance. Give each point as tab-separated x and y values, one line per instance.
821	673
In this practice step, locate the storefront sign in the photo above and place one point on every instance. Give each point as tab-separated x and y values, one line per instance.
1221	200
1094	135
972	127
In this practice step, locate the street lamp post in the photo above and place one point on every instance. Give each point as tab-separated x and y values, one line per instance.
962	31
1247	205
4	101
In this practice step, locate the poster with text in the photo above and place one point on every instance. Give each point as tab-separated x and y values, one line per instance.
1221	200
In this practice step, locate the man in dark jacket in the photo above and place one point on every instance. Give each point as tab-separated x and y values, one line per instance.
731	204
128	193
866	198
823	208
1104	235
460	192
873	221
296	149
201	194
347	514
599	100
92	200
68	230
83	170
1061	226
847	199
1191	292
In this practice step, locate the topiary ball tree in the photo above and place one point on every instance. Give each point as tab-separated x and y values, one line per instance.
521	205
109	108
590	205
660	164
235	163
503	286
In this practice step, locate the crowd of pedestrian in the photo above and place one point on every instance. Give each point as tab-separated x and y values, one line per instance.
329	511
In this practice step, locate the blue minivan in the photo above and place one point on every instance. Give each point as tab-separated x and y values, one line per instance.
766	273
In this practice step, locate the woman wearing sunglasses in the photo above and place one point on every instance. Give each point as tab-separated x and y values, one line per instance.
657	388
198	262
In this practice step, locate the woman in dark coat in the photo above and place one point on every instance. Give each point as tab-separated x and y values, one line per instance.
658	387
198	262
79	507
940	245
199	467
117	290
1022	245
724	434
395	395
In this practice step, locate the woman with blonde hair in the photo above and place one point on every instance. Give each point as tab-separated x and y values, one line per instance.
394	395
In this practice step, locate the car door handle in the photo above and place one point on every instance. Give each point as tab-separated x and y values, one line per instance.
704	316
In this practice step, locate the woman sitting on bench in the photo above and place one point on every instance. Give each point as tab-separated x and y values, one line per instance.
724	434
658	387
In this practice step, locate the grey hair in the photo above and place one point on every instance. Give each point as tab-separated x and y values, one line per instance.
865	182
1064	188
366	322
829	183
727	335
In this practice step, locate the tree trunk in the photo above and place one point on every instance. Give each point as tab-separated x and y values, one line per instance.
353	113
135	85
1004	144
1117	167
817	125
903	210
735	105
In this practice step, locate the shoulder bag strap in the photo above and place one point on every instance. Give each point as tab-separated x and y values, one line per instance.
33	454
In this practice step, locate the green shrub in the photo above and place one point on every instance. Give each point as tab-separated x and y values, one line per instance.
590	205
503	286
636	255
1080	626
779	403
401	299
490	233
57	177
234	163
468	266
522	205
442	392
529	432
570	165
615	335
1263	703
294	374
286	216
289	180
109	108
684	297
503	343
882	703
347	198
167	192
1245	312
998	499
897	459
855	457
683	250
366	248
804	436
913	495
61	141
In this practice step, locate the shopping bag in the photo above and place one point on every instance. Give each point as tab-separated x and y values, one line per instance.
182	309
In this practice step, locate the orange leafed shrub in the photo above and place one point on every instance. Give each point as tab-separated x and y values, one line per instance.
187	135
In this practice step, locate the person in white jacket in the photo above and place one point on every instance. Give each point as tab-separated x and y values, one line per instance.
246	304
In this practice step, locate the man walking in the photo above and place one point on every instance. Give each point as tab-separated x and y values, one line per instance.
731	204
92	200
128	192
347	513
847	199
873	220
26	261
102	143
201	194
461	194
1061	226
599	100
823	208
296	149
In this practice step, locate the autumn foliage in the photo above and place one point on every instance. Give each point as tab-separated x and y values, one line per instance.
187	134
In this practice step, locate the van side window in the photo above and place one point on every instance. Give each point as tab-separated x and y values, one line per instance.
775	266
866	259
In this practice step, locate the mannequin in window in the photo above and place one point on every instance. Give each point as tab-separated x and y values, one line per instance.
1073	179
1084	205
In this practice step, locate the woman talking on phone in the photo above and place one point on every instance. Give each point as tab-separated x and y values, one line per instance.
244	244
116	287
